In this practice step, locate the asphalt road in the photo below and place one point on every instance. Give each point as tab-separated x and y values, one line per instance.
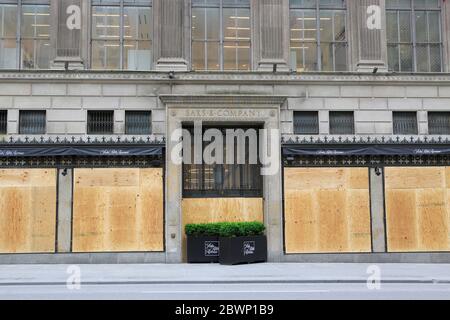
258	291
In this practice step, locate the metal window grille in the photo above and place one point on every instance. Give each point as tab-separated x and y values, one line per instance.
138	122
3	121
342	122
32	122
306	122
405	123
439	123
223	180
100	122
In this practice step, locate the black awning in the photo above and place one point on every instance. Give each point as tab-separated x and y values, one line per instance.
54	151
365	150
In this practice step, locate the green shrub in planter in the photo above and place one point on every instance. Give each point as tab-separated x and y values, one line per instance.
242	242
202	229
241	229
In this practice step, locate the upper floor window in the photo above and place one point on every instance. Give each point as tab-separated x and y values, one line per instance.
138	122
306	122
342	122
3	121
318	35
34	34
32	121
100	122
122	34
405	123
221	35
439	123
414	35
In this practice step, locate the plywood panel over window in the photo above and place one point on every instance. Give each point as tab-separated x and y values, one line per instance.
417	209
327	210
206	210
118	210
27	210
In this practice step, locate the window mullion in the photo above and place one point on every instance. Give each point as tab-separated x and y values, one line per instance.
413	28
121	35
319	48
221	37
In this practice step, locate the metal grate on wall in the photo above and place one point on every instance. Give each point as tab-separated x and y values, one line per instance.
32	122
138	122
439	123
306	122
342	122
405	123
100	122
3	121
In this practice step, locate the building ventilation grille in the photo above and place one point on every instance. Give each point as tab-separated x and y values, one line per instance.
3	121
306	122
342	123
439	123
138	122
405	123
32	122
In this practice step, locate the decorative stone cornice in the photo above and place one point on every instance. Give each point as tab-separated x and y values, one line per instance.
222	99
226	77
363	140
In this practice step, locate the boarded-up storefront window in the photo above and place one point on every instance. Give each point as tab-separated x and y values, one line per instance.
417	209
27	210
118	210
327	210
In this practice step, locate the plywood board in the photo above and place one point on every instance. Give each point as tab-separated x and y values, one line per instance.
118	210
27	210
327	210
417	209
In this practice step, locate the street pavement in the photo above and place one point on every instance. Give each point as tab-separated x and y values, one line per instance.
216	282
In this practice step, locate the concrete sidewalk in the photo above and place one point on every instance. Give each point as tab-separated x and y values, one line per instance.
14	275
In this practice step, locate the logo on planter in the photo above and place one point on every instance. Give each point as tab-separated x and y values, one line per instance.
249	248
212	248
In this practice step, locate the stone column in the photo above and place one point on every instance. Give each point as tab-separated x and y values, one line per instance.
69	32
445	16
172	30
64	228
270	34
369	47
377	210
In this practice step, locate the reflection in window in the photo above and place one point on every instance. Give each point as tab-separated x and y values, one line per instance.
221	35
35	37
318	35
8	34
414	35
121	35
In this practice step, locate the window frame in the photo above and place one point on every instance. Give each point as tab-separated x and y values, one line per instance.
121	5
89	131
150	126
221	5
3	122
318	43
439	113
351	132
317	120
241	192
414	43
21	114
19	32
416	123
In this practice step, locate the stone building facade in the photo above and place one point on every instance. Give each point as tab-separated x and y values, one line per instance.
91	92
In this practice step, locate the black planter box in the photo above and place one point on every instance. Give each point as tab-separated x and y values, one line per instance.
241	250
202	249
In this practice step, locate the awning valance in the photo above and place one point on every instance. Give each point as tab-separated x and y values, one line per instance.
365	150
64	150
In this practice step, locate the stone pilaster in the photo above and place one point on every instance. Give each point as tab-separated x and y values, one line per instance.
377	210
270	34
64	229
368	22
172	30
69	33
